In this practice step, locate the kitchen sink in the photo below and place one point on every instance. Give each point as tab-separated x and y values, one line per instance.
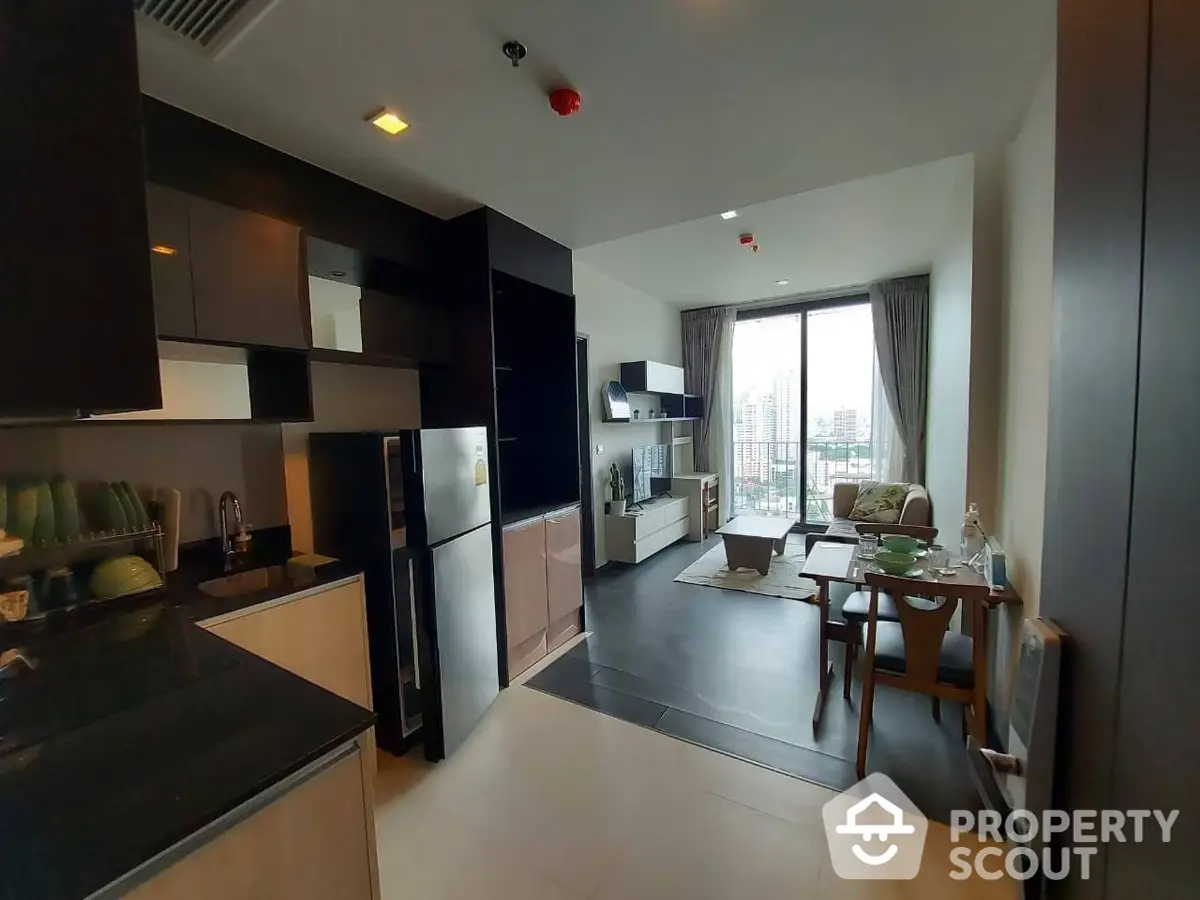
248	582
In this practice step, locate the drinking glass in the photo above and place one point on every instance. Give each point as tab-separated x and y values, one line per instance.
868	546
939	560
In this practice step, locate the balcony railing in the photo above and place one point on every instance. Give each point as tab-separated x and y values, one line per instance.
766	475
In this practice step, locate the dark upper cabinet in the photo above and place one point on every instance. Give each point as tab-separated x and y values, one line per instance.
76	308
247	279
404	327
401	320
522	252
171	261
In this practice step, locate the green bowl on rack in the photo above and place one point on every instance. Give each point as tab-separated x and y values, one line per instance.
124	575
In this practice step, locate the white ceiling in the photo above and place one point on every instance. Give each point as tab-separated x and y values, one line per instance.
689	106
841	236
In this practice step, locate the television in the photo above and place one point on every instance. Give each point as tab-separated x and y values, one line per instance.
651	471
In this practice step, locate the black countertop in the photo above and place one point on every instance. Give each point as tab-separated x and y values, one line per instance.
181	591
139	728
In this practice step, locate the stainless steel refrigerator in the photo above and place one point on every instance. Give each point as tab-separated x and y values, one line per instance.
413	508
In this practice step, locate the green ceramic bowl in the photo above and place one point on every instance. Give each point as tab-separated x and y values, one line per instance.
894	563
899	543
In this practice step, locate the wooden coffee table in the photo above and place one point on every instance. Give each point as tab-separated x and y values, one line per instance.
749	540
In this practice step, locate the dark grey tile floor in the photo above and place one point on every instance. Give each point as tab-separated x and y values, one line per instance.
737	672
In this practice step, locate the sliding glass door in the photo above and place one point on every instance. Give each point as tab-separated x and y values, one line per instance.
806	408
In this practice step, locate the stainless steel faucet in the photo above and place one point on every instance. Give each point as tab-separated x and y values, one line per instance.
227	498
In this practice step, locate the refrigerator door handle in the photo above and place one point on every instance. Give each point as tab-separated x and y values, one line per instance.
412	613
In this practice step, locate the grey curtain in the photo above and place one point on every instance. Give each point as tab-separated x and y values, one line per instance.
900	315
702	330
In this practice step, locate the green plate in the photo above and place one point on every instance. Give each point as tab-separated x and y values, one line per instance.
911	573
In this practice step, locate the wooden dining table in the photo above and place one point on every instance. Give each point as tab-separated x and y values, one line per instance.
831	561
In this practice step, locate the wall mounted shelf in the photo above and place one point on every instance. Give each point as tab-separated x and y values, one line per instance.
352	358
650	421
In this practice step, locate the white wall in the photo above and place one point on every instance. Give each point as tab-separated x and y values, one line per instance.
336	314
962	432
217	387
1025	355
622	325
949	398
345	398
983	426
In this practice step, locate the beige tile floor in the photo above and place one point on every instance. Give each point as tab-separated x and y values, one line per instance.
552	800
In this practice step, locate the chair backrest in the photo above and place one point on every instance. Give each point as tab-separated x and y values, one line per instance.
923	622
920	532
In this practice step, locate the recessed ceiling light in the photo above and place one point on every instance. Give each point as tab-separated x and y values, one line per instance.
732	214
388	121
781	282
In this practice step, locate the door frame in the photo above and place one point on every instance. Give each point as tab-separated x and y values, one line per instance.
583	406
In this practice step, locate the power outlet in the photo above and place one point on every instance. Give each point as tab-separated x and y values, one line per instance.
599	449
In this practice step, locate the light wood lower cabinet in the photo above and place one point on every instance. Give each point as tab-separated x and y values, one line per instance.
525	595
310	843
564	577
543	587
321	637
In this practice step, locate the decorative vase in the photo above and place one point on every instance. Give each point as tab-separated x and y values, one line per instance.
616	507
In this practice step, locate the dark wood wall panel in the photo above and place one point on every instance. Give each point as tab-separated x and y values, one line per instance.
196	156
1102	72
1158	734
518	250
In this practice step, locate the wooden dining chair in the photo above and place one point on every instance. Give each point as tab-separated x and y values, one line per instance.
854	610
918	652
924	533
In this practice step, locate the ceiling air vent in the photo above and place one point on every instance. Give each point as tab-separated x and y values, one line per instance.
211	26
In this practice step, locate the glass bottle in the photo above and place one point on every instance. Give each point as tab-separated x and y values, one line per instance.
971	537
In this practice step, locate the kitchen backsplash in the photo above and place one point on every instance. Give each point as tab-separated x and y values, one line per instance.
265	465
345	398
201	461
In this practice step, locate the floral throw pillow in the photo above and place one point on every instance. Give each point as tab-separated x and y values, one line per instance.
878	501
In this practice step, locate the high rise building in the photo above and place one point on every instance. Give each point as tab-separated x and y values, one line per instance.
754	421
787	402
845	424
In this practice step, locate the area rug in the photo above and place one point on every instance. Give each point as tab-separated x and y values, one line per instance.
783	580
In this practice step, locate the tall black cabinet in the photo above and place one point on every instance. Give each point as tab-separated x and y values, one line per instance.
76	308
509	295
1123	505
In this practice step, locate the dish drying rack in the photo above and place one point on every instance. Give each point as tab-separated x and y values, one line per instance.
98	545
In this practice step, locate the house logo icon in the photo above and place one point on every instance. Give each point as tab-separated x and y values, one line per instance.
874	831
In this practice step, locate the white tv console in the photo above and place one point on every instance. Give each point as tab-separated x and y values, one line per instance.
639	534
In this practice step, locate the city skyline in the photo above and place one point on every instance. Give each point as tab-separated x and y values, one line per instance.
841	357
767	410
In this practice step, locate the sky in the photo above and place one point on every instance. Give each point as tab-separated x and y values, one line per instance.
841	361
